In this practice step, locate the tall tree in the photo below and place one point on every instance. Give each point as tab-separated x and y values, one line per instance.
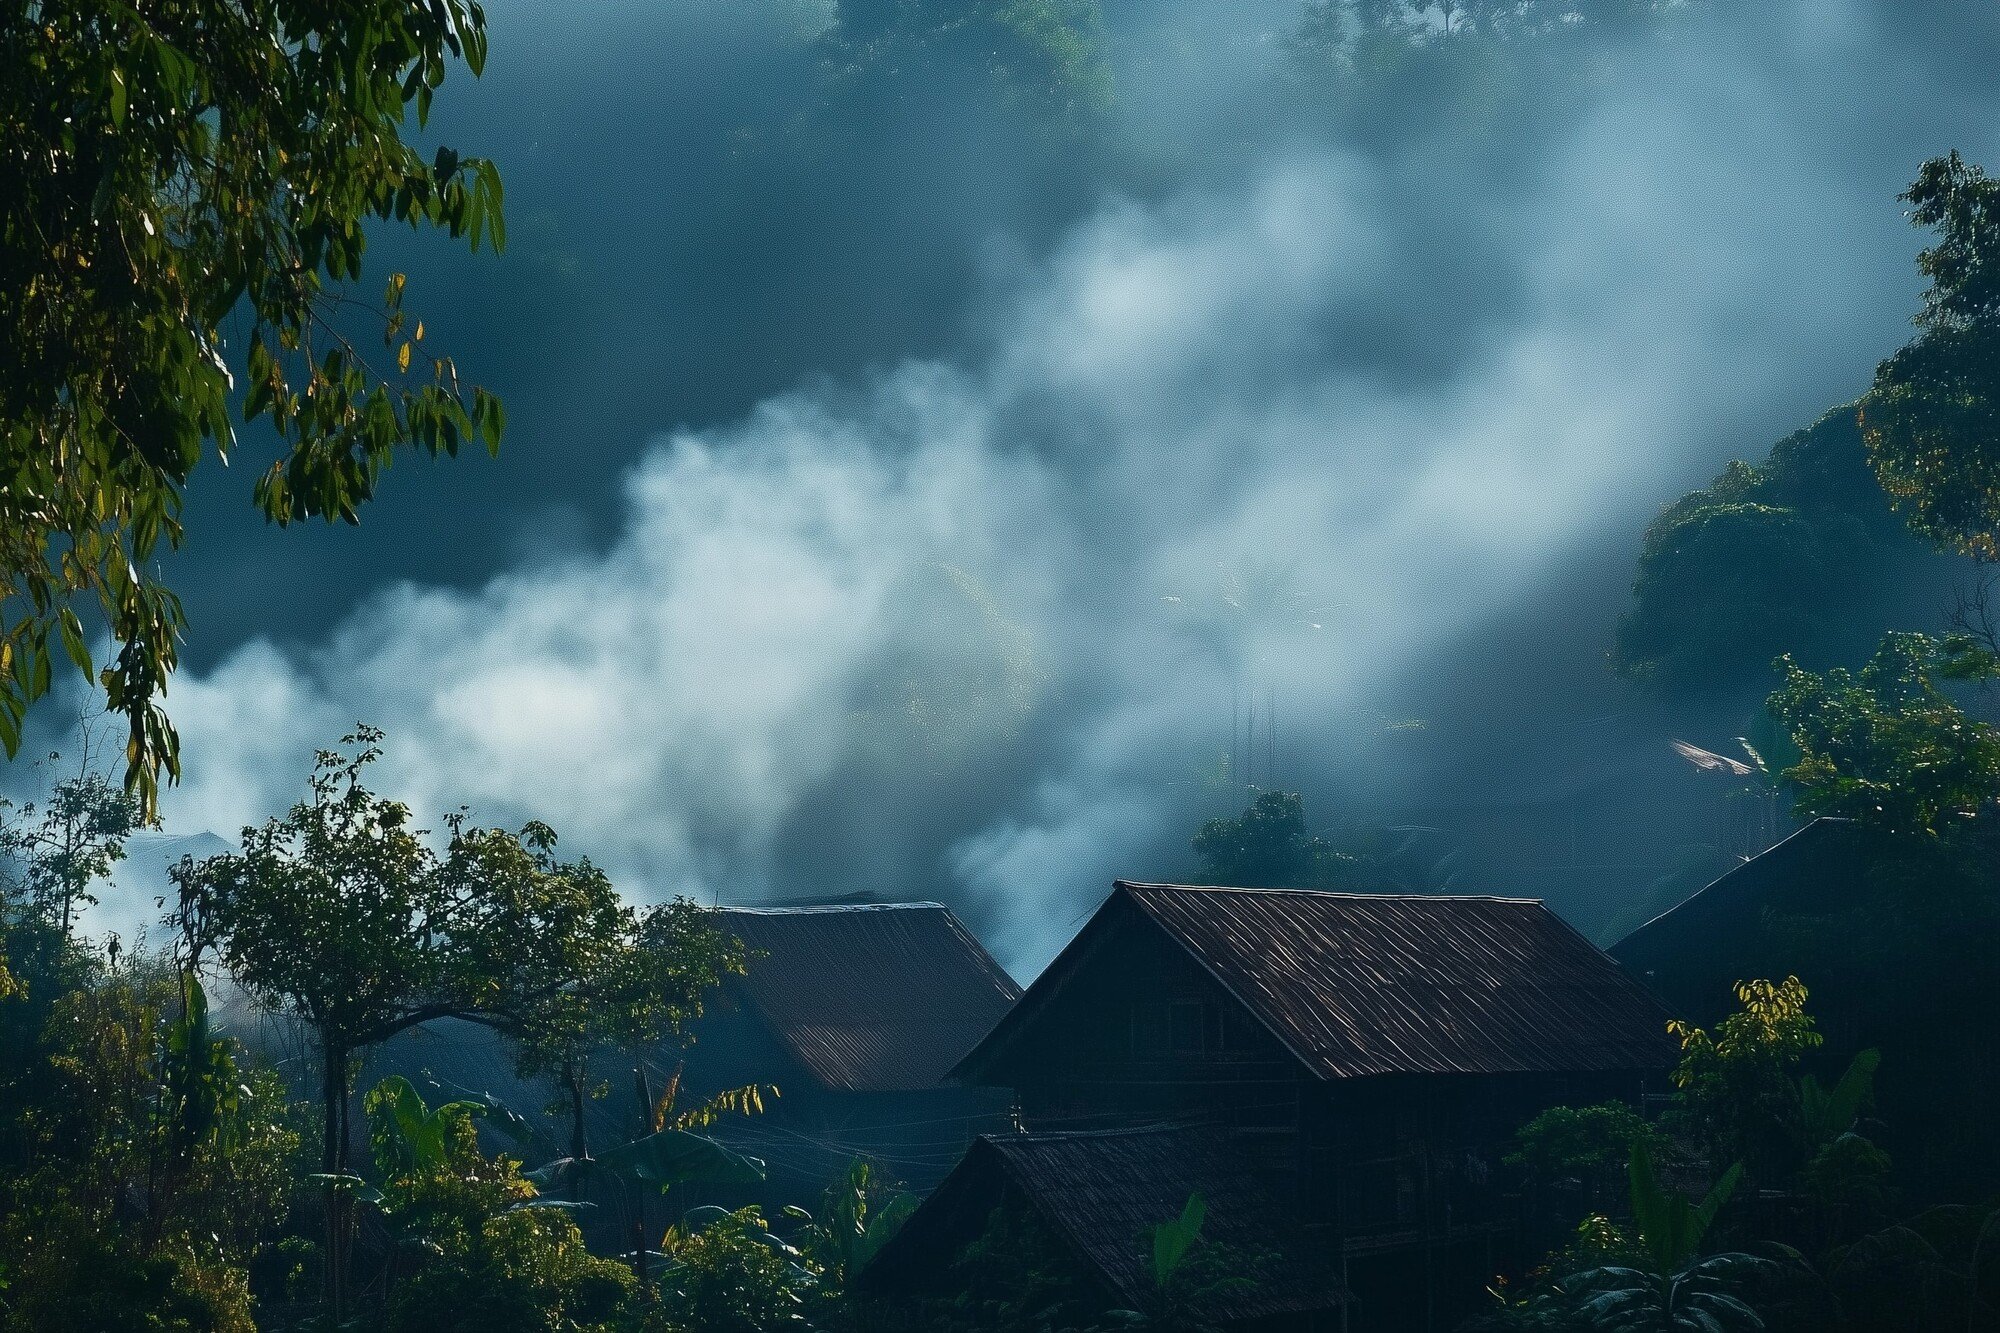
185	185
1932	419
583	971
67	843
343	915
1269	846
1800	553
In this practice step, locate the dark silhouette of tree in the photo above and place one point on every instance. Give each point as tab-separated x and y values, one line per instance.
1269	846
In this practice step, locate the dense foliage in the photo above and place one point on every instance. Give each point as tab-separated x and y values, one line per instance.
1044	57
345	916
185	186
152	1173
1784	557
1930	417
1579	1145
1887	745
483	1254
144	1169
1799	1228
1270	846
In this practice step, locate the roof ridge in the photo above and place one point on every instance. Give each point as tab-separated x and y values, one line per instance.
808	909
1787	845
1329	893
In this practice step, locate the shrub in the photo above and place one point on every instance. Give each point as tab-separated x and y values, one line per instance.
729	1274
1587	1144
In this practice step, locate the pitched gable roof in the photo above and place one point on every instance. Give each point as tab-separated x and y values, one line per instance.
1707	931
1362	984
870	998
1101	1193
1735	928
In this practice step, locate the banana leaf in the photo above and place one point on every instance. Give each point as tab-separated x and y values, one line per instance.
663	1160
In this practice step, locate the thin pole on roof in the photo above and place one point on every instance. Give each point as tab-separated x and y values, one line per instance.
1235	726
1271	737
1250	744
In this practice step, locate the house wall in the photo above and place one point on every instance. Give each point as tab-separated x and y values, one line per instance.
1140	1033
1390	1159
1143	1033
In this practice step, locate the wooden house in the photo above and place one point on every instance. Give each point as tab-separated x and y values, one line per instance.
1369	1056
1100	1193
855	1012
1694	953
1894	940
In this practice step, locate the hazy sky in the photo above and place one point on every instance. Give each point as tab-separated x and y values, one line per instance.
900	502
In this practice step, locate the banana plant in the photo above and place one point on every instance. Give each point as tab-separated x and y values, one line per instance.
408	1135
1172	1240
857	1216
1827	1114
1675	1292
660	1160
201	1091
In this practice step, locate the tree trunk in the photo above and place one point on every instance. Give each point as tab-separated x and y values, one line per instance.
641	1240
333	1162
579	1146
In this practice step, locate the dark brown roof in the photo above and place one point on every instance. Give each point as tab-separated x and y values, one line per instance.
1102	1193
1698	949
1363	984
873	998
1735	929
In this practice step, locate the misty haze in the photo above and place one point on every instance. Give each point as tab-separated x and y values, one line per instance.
999	665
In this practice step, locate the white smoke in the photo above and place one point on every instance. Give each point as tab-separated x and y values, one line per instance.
932	608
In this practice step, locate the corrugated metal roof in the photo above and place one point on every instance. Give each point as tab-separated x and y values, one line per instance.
1364	984
1103	1192
872	998
1360	984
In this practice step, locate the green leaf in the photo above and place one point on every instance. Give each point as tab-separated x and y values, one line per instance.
1172	1240
675	1157
1704	1215
72	638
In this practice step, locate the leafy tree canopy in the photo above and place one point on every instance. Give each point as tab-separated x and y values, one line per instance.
592	973
1932	419
65	844
343	914
1486	68
1269	846
1765	560
1886	746
1045	56
185	185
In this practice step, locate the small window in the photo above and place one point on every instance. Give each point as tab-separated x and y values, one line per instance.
1187	1027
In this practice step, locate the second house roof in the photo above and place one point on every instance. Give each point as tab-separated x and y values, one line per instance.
1364	984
